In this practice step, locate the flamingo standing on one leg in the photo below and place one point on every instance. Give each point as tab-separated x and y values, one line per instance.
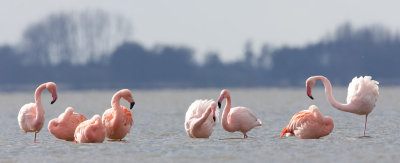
118	119
64	126
90	131
237	118
361	96
199	121
31	115
309	124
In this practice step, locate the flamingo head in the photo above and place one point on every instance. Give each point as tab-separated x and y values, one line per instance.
52	88
127	95
224	94
310	82
213	108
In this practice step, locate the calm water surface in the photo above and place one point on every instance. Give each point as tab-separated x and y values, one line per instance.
158	134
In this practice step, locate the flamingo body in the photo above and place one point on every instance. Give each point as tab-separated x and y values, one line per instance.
240	118
118	120
90	131
64	126
309	124
200	118
31	115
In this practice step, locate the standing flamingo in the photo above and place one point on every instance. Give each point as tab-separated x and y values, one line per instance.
361	95
31	115
64	126
90	131
199	121
118	119
309	124
237	118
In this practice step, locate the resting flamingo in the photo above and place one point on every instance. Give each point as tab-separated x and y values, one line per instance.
309	124
64	126
118	119
361	96
90	131
238	118
199	121
31	115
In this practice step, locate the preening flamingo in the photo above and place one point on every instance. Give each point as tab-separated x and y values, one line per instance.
199	121
309	124
90	131
118	120
31	115
361	96
64	126
237	118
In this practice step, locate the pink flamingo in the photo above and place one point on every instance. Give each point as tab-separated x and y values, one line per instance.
90	131
199	121
309	124
361	95
64	126
118	119
31	115
237	118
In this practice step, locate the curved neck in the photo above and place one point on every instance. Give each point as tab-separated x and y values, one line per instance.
203	118
328	93
38	100
227	109
115	103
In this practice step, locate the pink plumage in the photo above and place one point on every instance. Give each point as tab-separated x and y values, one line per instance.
238	118
31	115
362	95
200	118
90	131
309	124
64	126
118	120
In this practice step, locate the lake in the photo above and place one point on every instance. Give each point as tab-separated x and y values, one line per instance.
158	134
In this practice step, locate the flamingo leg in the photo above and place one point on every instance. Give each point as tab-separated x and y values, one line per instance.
365	125
245	136
34	140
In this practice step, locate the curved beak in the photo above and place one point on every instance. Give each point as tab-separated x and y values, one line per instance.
54	100
309	93
214	118
132	104
219	105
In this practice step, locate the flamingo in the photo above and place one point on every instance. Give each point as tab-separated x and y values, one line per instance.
90	131
64	126
199	121
238	118
362	95
31	115
118	119
309	124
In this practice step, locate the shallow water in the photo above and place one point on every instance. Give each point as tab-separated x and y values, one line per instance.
158	133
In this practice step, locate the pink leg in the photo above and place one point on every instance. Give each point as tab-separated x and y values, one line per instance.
365	126
245	136
34	140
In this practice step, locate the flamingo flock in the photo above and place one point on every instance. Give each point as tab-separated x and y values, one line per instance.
201	116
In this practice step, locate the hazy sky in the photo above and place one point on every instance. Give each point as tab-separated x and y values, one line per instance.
214	25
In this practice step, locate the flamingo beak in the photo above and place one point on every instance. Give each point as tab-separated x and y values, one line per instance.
132	104
219	105
54	100
214	118
309	93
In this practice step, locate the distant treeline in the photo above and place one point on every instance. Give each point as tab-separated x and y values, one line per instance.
341	56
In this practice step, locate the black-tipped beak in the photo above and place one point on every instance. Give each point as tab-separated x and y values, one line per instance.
219	105
312	98
214	118
132	104
52	102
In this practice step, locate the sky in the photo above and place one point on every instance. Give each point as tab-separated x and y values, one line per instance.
222	26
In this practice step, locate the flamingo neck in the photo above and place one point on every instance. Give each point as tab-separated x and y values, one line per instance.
203	118
116	106
38	101
227	109
331	99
